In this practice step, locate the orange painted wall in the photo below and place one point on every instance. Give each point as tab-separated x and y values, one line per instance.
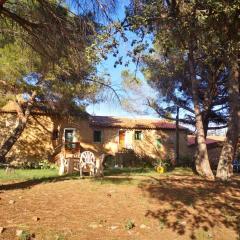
36	141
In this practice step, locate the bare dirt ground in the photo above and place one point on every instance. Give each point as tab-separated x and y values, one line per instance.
161	207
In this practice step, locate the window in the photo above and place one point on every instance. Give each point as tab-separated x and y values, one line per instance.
97	136
69	135
69	138
138	135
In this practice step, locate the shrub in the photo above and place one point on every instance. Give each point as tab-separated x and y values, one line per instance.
128	158
129	225
168	163
162	223
26	235
109	161
44	164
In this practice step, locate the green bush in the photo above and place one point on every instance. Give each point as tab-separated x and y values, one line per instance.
109	162
26	235
128	158
129	225
44	164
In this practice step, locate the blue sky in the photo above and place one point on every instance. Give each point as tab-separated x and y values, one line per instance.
112	107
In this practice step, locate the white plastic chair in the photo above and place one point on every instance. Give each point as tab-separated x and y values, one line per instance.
87	159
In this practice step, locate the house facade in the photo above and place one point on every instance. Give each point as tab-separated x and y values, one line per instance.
49	134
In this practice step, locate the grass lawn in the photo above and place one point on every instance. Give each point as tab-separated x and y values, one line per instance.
50	174
132	204
27	174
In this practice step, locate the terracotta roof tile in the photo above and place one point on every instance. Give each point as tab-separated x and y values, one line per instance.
209	141
132	123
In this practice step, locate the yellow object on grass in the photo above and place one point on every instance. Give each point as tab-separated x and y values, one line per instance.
160	169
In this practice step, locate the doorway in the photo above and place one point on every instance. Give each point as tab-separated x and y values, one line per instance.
122	135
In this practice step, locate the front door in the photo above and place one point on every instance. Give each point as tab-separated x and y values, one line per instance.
122	135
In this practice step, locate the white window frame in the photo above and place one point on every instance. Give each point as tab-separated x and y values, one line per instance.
74	134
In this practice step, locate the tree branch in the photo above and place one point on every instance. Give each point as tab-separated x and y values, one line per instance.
21	21
108	86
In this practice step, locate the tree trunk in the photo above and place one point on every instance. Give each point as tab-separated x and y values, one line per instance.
202	161
10	141
16	133
224	170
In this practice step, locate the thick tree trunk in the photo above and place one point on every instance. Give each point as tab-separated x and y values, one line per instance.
16	133
196	155
10	141
202	161
224	170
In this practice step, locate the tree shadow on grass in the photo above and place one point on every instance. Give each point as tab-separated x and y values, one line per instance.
127	171
114	180
190	204
27	184
32	182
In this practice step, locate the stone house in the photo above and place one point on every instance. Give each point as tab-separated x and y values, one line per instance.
48	134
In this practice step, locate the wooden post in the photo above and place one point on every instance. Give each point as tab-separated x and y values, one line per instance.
62	167
177	138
